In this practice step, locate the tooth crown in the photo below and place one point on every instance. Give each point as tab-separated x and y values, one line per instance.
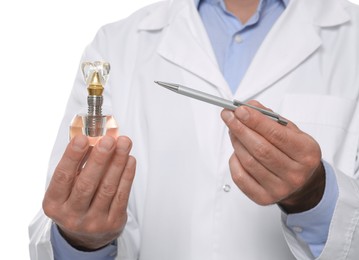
95	75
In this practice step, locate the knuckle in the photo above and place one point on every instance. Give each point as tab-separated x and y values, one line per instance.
311	160
260	199
276	135
93	227
313	154
122	198
297	180
62	176
237	179
249	162
232	159
261	150
85	187
70	224
72	157
263	202
107	190
117	221
280	192
50	209
268	199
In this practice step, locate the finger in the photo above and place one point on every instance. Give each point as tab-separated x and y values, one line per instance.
288	139
257	104
246	183
258	147
266	178
120	201
110	182
88	180
297	144
84	159
65	173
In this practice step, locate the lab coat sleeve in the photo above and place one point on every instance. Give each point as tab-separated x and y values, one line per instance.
312	226
63	250
41	248
343	235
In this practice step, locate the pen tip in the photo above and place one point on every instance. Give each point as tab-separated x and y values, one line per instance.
169	86
160	83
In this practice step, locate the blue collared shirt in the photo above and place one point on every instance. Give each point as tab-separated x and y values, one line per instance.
235	45
233	42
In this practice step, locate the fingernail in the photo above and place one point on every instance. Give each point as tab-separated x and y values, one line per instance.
227	115
106	143
242	113
79	142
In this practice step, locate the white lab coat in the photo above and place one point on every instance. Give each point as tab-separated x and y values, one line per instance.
307	69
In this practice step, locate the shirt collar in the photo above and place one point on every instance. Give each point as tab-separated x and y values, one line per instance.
285	2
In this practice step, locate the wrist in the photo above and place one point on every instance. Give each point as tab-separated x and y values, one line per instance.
83	244
308	196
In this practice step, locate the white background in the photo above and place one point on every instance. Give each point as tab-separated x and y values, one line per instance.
41	42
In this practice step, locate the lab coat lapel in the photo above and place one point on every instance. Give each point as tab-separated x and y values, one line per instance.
186	44
293	39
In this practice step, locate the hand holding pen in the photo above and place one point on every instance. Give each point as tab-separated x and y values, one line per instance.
270	163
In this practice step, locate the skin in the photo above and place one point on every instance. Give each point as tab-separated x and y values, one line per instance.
272	163
88	203
242	9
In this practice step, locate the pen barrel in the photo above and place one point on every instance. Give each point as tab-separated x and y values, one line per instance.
215	100
270	114
206	97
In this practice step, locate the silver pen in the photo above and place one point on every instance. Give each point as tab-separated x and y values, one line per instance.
231	105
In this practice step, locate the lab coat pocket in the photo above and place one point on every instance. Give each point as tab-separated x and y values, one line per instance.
332	121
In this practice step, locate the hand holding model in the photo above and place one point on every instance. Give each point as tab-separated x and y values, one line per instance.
88	193
273	163
89	203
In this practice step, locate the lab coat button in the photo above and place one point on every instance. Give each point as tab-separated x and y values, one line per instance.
226	188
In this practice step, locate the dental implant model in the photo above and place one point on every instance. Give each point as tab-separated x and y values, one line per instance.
94	124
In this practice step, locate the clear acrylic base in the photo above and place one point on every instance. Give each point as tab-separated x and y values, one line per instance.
94	127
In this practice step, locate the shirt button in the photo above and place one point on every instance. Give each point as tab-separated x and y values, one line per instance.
226	188
297	229
238	38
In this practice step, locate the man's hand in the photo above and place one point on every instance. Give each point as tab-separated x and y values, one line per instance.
273	163
88	203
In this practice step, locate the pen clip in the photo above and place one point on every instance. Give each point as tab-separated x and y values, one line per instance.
272	115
